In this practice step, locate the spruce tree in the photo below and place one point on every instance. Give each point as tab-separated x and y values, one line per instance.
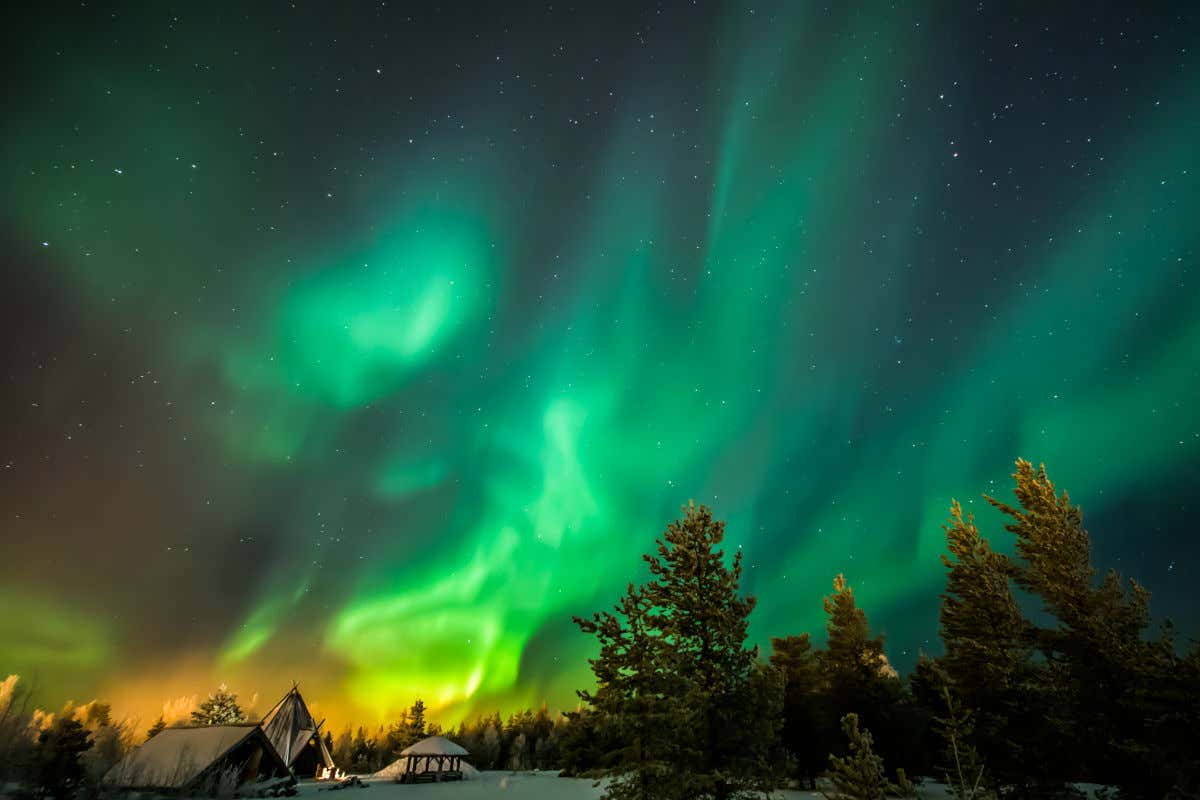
220	708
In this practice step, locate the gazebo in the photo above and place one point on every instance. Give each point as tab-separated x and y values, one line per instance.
430	760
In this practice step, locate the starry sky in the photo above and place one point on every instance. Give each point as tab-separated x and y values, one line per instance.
363	345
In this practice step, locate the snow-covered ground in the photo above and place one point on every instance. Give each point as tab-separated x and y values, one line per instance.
508	785
512	786
532	786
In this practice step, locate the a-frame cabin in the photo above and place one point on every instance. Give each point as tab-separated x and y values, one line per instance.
297	736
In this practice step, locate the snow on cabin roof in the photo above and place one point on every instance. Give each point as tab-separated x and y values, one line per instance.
434	746
176	756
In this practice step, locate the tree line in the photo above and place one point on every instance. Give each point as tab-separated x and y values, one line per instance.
525	740
1052	676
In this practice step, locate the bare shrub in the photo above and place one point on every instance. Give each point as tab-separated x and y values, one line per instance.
110	744
16	745
220	783
227	783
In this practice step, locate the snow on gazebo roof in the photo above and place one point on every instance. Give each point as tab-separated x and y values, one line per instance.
434	746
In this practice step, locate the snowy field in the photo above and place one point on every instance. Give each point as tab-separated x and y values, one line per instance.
529	786
512	786
517	786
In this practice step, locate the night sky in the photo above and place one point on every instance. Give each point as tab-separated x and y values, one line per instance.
363	345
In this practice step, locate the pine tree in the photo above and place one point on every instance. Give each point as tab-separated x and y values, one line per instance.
1087	698
362	752
706	621
398	735
416	720
343	748
583	748
674	674
858	678
634	698
853	658
1172	756
1092	656
1052	543
764	760
803	720
981	623
860	775
988	655
219	709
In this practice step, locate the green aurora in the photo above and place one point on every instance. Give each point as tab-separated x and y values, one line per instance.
369	362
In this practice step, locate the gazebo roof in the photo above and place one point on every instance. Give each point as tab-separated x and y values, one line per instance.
434	746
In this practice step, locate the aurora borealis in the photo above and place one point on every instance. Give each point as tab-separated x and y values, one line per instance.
364	345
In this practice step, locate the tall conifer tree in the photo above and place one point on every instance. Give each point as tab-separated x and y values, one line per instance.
858	679
675	673
987	660
852	658
1092	654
